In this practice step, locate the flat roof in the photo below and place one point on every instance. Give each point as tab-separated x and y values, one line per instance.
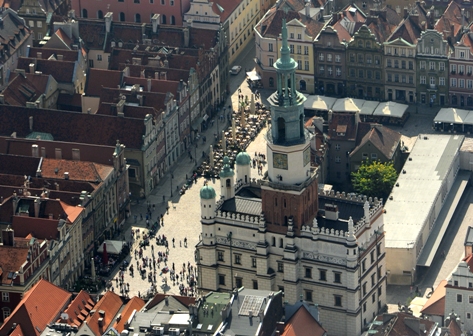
427	167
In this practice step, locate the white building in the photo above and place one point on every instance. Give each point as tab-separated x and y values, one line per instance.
421	205
280	233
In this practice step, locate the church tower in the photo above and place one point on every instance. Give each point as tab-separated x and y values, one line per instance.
290	190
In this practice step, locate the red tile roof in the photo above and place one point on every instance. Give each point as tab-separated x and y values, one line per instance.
78	170
435	305
39	307
62	71
11	259
135	303
185	300
302	323
228	7
20	90
72	126
41	228
110	303
98	78
451	17
78	309
346	120
68	55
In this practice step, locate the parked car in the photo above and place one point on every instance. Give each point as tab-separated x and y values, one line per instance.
235	70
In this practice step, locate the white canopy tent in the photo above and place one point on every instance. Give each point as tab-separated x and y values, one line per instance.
113	246
390	109
320	103
452	115
253	76
345	105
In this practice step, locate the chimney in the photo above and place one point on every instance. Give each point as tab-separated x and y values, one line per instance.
66	175
155	22
37	204
100	320
108	21
39	55
143	74
34	151
60	57
143	30
32	67
140	99
166	63
307	8
452	30
406	12
148	81
156	75
331	212
8	237
186	37
30	119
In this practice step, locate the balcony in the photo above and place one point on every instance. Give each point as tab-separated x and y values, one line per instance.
432	87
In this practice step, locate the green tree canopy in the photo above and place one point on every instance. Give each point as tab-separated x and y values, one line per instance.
374	179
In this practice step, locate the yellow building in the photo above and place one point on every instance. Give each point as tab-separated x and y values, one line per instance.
303	26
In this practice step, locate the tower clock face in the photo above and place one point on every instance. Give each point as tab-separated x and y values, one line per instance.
280	161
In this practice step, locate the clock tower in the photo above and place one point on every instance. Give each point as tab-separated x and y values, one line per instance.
290	191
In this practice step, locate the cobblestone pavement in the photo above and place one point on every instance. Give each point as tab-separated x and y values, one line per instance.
181	213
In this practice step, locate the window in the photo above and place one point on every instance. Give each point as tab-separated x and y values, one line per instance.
459	298
453	68
337	159
280	267
338	300
441	66
239	282
364	307
432	65
422	65
299	49
99	57
321	57
369	60
329	57
306	65
270	47
273	241
271	61
337	58
470	299
390	78
237	259
403	64
323	275
5	297
338	71
364	289
137	17
360	73
378	75
122	16
411	79
380	290
423	80
373	279
321	69
40	36
306	50
39	24
221	279
373	298
255	284
31	22
396	63
292	35
253	262
453	82
374	156
6	312
469	83
360	59
468	315
291	47
352	72
461	83
220	255
308	272
411	65
308	295
299	36
363	265
372	252
337	277
352	58
337	146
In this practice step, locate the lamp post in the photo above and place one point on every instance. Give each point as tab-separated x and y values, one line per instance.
229	239
172	176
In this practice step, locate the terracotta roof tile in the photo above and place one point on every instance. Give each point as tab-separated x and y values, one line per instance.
342	119
41	228
383	138
62	71
135	303
451	17
302	323
78	170
11	259
110	303
78	309
98	78
46	53
39	306
435	305
72	126
454	328
185	300
20	90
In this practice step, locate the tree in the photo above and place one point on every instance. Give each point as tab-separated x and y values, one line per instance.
374	179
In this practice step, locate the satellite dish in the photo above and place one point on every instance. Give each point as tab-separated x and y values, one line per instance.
64	316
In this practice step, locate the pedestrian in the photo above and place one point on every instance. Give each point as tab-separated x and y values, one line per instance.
141	216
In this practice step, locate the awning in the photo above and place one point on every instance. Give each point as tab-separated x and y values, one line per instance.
196	123
253	76
443	219
390	109
451	115
321	103
113	246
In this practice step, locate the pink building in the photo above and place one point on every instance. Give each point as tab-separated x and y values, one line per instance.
171	11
